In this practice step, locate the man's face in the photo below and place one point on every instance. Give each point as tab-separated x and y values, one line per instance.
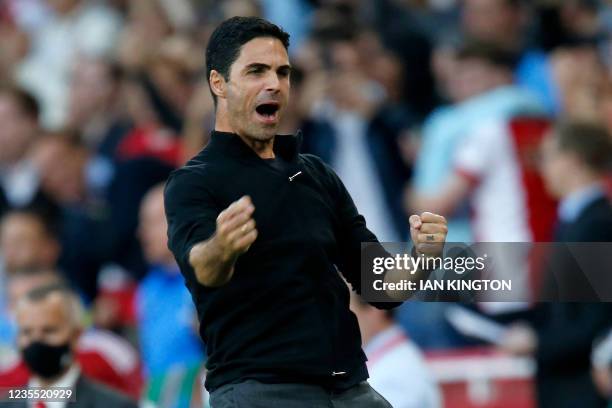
47	320
489	20
152	228
63	180
17	130
555	165
25	244
91	90
257	92
472	77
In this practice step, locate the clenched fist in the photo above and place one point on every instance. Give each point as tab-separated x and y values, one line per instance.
428	232
213	260
236	228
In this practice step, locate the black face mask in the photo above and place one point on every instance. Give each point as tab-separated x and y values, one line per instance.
46	360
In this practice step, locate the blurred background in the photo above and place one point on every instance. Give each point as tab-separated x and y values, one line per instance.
438	105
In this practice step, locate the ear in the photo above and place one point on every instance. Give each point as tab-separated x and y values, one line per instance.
217	83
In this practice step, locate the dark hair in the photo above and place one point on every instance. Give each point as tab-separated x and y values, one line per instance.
515	3
26	102
228	38
43	292
488	52
590	141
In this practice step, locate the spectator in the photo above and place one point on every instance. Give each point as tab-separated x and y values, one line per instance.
19	179
102	355
75	27
581	80
65	181
353	121
49	321
493	167
167	322
505	23
576	160
560	335
397	368
403	32
484	80
601	361
27	242
95	106
13	288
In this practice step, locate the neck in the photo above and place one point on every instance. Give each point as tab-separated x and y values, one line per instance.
263	148
580	181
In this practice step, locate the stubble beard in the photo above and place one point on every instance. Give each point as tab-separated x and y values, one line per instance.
252	130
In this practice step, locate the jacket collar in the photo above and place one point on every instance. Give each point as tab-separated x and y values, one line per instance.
285	146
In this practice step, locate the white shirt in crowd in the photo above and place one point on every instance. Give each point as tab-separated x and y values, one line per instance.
398	371
68	380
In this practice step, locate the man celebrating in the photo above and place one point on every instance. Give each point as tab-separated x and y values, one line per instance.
260	231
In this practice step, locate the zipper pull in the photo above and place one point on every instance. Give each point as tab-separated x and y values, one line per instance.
295	175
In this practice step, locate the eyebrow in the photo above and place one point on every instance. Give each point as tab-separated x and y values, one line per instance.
266	66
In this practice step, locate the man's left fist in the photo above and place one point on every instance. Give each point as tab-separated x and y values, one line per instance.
428	232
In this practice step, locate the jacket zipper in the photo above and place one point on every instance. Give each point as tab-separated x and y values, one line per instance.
294	176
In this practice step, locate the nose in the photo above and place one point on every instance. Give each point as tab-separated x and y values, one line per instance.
272	82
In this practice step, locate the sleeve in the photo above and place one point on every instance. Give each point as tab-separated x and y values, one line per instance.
191	213
352	232
478	151
431	161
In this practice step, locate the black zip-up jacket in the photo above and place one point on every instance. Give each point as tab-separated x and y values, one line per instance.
284	316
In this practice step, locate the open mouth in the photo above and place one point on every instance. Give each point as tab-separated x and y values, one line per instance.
268	110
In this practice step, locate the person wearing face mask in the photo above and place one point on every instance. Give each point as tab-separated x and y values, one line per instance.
48	320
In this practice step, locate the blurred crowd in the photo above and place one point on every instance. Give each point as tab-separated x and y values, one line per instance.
490	112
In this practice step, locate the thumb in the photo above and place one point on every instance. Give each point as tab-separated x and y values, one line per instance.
415	222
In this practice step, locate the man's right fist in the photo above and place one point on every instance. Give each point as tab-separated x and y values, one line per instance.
236	228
